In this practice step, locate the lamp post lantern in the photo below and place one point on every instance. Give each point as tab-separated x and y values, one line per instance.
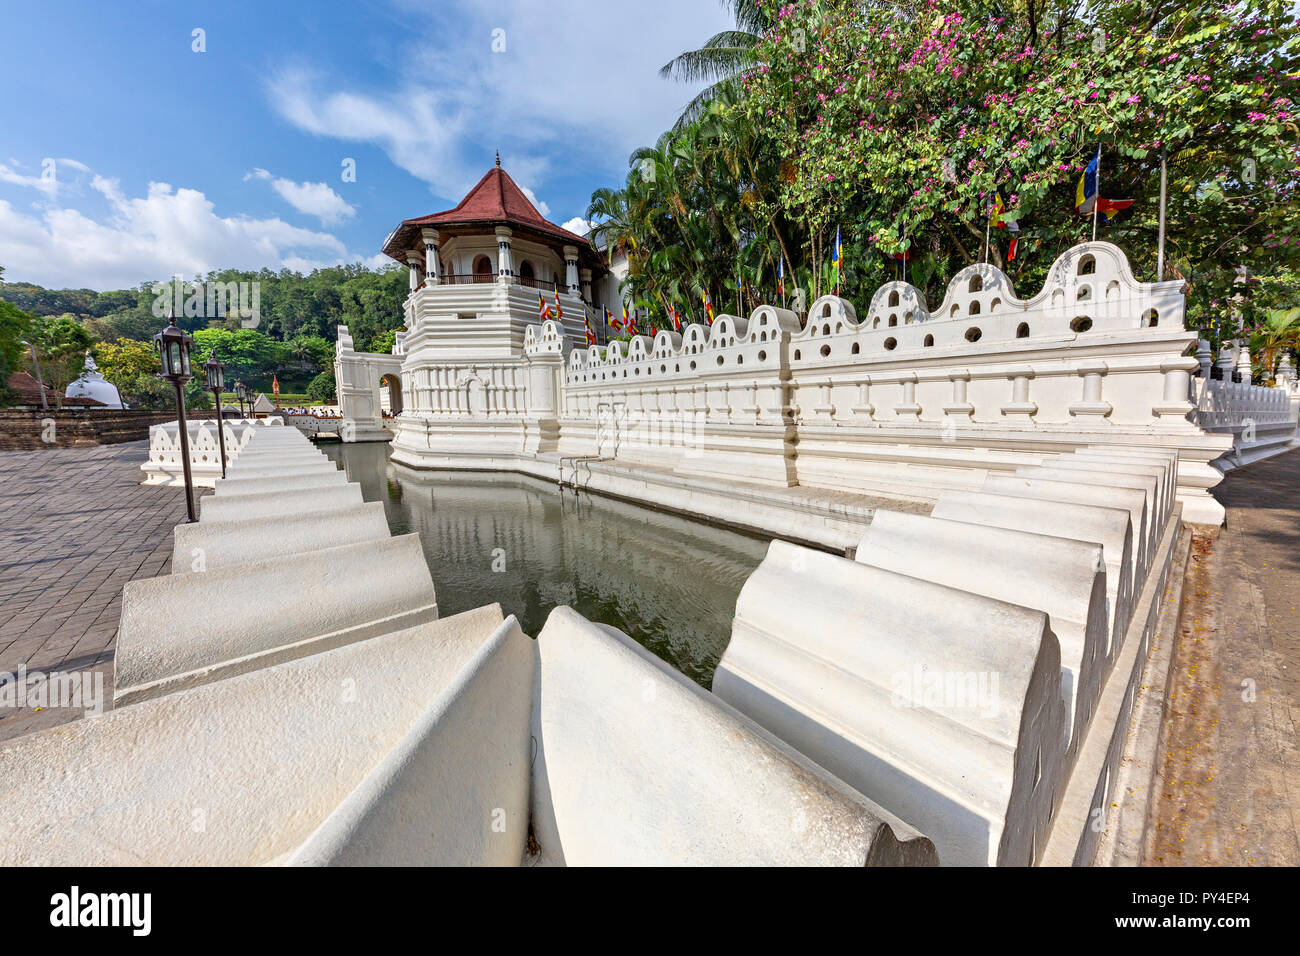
174	354
241	391
216	382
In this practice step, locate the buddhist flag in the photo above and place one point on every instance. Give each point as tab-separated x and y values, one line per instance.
998	219
674	317
837	254
1086	195
543	310
780	278
586	323
559	312
708	306
629	322
610	321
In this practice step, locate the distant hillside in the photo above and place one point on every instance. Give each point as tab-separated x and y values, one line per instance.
292	305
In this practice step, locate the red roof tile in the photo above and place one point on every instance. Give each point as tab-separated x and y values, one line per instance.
495	200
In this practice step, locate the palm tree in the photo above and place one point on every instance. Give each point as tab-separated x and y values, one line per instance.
721	61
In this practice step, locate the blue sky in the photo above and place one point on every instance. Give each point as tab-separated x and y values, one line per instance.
127	156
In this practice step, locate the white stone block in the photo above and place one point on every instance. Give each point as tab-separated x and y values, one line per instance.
267	503
1082	493
1105	474
1157	457
942	706
1064	579
187	629
268	471
1108	527
208	545
404	749
638	765
315	478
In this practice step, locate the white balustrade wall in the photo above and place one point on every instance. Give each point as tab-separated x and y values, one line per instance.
903	399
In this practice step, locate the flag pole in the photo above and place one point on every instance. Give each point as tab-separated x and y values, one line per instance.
988	222
1160	246
1096	196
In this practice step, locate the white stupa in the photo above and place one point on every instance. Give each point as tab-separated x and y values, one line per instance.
91	384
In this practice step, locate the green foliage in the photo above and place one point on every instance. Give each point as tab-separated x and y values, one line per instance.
383	342
61	344
14	327
321	388
900	123
301	314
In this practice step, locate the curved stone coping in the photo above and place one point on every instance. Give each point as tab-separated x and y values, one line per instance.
454	790
1157	471
943	707
276	455
267	503
1106	474
1168	460
246	771
187	629
254	470
1064	579
1083	493
1109	527
314	478
637	765
206	546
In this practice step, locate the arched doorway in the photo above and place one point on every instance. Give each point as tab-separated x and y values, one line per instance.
394	385
526	274
482	269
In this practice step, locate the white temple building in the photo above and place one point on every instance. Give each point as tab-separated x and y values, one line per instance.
92	385
892	397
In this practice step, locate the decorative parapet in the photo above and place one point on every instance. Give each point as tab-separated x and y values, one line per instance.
164	466
1093	342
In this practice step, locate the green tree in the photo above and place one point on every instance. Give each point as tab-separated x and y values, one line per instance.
61	344
14	327
321	388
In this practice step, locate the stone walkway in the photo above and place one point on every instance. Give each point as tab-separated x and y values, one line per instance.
1229	792
75	525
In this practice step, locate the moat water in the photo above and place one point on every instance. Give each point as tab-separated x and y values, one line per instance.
666	581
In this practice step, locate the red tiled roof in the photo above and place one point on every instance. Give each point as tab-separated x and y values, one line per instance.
494	201
29	392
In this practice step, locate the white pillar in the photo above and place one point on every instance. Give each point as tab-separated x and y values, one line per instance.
584	277
1225	361
1243	362
505	265
571	269
1204	357
413	263
430	255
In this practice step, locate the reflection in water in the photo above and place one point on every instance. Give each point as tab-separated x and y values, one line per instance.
668	582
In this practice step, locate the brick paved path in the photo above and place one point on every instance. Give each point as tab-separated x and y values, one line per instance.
75	525
1230	788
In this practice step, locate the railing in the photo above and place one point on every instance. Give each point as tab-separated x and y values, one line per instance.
481	279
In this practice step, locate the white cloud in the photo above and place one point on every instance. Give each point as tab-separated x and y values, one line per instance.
314	199
146	238
578	225
48	181
574	79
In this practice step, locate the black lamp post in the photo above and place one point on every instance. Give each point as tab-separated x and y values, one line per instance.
174	353
216	382
240	391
